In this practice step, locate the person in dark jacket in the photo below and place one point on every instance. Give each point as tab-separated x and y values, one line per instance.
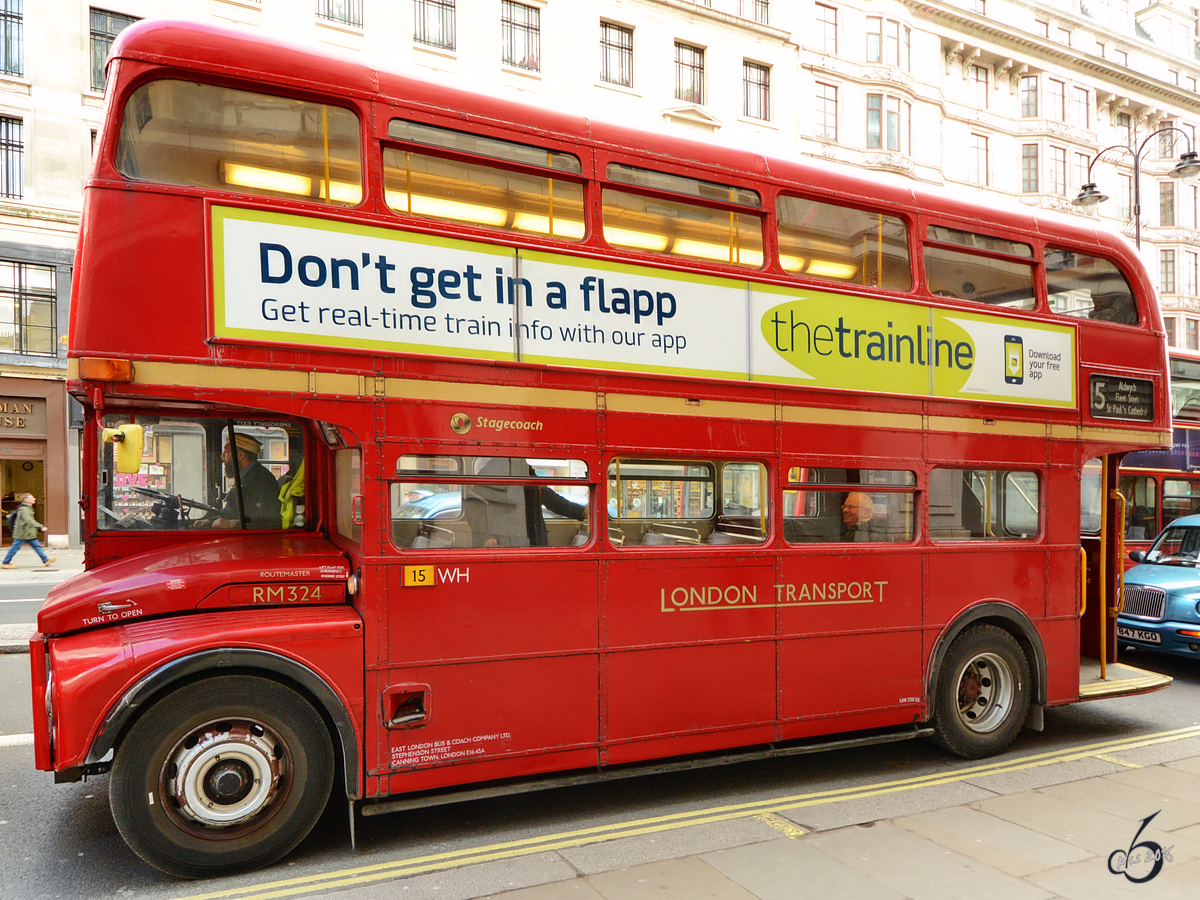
259	489
25	531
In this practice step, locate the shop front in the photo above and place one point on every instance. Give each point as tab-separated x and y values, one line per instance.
34	452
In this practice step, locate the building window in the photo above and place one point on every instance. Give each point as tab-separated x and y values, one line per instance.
883	122
1081	108
754	9
1056	100
616	54
979	78
433	23
1166	203
1056	171
1029	168
1125	127
1193	334
977	162
521	35
756	91
12	158
888	42
1029	96
979	6
1166	140
1063	35
1166	271
11	60
344	12
689	73
1124	196
1081	170
29	309
827	29
1042	28
827	112
105	28
1170	323
1191	271
1121	57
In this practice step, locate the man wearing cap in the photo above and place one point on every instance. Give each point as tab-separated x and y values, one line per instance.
259	489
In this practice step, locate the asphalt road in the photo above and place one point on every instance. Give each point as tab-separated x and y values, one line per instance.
19	603
60	841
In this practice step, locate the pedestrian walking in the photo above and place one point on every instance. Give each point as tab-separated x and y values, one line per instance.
25	530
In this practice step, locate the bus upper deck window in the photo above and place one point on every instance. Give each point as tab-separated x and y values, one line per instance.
838	243
433	186
988	269
1088	287
202	135
657	224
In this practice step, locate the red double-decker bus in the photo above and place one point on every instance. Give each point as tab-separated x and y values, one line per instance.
437	441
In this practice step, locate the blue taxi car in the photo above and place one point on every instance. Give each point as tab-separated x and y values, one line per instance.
1162	593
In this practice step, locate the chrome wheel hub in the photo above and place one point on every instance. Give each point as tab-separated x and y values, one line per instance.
225	773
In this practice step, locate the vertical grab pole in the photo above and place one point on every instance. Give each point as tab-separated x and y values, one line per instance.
325	139
1102	594
1082	582
1120	599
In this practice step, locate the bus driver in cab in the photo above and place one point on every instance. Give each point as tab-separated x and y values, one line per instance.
259	488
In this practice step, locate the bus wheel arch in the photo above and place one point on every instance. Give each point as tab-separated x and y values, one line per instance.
226	773
197	666
990	639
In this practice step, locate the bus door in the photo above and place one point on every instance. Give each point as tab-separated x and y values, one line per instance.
490	641
688	611
1104	520
849	602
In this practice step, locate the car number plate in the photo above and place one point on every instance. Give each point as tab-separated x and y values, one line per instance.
1139	634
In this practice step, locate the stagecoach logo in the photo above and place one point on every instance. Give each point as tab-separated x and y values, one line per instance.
460	423
1142	861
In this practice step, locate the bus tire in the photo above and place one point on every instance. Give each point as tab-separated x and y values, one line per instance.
225	774
982	693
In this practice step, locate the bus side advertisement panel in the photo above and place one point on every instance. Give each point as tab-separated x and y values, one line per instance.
281	278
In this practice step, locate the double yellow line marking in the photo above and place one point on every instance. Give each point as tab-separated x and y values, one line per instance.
359	875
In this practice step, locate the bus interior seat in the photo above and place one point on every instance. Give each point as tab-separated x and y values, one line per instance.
615	535
810	530
430	537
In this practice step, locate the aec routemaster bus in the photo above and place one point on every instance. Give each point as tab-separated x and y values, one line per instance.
433	440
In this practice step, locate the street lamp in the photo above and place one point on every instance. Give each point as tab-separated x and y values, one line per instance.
1187	166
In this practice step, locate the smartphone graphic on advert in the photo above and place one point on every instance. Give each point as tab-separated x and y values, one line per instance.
1014	359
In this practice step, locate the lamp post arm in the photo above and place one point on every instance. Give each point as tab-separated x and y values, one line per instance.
1095	159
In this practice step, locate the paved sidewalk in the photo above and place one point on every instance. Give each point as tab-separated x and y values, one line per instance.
30	571
1078	834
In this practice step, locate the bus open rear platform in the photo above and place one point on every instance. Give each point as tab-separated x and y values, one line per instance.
1120	680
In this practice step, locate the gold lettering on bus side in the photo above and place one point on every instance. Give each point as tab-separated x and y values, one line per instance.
740	596
257	596
274	594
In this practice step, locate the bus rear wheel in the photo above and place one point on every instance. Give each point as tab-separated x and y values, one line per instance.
226	774
982	693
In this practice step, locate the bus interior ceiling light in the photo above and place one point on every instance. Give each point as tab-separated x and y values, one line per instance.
92	368
241	175
438	208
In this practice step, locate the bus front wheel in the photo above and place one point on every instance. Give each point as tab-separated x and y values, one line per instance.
982	693
225	774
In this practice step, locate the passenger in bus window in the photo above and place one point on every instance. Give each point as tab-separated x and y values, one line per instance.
511	515
259	489
858	511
